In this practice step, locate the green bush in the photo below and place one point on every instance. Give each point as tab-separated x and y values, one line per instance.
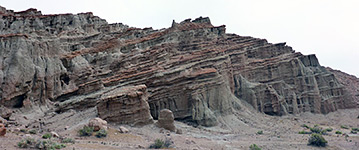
338	132
26	143
355	129
260	132
33	131
317	140
68	140
304	132
47	136
305	126
57	146
158	144
101	133
353	132
39	144
344	127
316	129
161	144
254	147
49	145
86	131
329	129
23	130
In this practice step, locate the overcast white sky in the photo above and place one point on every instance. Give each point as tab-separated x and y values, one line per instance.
327	28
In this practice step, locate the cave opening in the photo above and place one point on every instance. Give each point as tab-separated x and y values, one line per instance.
65	78
18	101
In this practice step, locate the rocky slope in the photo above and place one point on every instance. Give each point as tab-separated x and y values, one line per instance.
197	70
350	82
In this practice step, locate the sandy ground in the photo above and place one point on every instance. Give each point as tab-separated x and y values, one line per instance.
236	131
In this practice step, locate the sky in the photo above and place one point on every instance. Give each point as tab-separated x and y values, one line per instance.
327	28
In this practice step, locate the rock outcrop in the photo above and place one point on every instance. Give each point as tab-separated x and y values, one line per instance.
126	105
350	82
166	120
193	68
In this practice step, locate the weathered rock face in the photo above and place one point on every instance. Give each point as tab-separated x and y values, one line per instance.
127	105
351	84
166	120
193	68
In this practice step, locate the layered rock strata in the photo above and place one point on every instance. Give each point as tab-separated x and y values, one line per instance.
350	82
127	105
193	68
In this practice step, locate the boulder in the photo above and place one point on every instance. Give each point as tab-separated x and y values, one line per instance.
122	129
5	112
166	120
126	105
54	134
179	131
97	124
16	130
2	129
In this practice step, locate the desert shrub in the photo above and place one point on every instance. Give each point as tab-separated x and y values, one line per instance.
344	127
304	132
47	136
355	129
49	145
86	131
353	132
305	126
338	132
316	129
26	143
329	129
68	140
317	140
57	146
33	131
161	144
260	132
39	144
254	147
23	130
158	144
101	133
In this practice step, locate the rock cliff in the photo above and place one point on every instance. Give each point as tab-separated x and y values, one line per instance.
193	68
350	82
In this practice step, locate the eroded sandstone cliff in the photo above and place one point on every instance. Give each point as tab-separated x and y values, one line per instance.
193	68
